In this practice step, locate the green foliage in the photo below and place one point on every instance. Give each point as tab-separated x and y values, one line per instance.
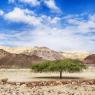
66	65
41	67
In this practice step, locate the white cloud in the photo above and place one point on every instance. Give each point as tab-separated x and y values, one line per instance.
29	17
52	37
50	20
55	20
32	2
22	15
52	5
1	12
58	39
49	3
82	25
2	36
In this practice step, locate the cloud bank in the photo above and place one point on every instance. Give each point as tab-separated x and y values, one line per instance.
69	32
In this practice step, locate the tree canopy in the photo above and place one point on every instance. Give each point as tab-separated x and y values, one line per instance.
66	65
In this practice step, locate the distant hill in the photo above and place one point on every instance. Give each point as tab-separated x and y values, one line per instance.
24	57
8	60
90	59
16	50
45	53
75	54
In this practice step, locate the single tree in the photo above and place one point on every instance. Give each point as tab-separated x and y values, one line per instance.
66	65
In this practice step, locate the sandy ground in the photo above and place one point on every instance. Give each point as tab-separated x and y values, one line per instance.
27	75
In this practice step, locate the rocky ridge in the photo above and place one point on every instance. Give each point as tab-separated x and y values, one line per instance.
46	53
43	52
26	57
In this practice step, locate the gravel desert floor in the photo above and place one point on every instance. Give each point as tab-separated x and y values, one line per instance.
68	89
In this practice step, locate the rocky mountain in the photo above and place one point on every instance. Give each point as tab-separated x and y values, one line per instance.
90	59
8	60
45	53
17	57
24	57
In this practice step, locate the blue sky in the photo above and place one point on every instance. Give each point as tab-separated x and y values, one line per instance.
57	24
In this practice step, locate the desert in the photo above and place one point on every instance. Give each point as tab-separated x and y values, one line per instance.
25	82
47	47
17	78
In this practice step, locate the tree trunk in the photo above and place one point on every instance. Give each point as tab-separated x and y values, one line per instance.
60	74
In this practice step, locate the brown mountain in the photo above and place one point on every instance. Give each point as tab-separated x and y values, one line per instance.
9	60
3	53
45	53
90	59
27	57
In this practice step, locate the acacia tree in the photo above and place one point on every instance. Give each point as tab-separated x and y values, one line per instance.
66	65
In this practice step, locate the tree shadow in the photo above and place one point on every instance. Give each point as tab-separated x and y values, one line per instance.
55	77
